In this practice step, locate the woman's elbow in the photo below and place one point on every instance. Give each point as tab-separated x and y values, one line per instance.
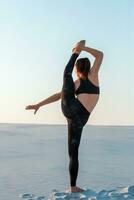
101	54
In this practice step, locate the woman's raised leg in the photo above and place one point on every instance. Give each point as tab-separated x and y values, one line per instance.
68	88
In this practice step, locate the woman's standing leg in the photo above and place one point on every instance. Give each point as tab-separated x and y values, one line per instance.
74	137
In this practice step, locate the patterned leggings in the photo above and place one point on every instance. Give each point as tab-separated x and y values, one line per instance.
77	116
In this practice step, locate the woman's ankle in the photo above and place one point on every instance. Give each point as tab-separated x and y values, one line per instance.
76	51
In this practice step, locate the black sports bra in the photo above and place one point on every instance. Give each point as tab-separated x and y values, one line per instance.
86	86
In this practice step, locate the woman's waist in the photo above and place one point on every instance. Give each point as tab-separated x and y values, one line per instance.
75	105
88	103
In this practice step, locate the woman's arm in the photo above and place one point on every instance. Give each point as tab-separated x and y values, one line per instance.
52	98
98	58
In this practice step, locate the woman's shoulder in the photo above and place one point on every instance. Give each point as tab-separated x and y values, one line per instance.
77	83
77	80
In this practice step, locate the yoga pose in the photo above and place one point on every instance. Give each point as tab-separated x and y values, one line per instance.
78	99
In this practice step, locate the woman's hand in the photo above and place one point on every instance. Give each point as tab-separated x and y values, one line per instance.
78	47
35	107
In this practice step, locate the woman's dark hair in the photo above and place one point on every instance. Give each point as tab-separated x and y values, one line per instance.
83	66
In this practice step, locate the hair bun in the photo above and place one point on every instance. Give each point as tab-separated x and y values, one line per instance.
83	66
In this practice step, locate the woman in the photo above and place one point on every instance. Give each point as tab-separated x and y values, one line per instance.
77	109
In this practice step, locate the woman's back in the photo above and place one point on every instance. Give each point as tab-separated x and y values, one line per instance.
89	96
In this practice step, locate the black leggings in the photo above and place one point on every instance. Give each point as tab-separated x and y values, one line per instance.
77	116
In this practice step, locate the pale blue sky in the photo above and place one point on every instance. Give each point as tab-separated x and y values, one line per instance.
36	38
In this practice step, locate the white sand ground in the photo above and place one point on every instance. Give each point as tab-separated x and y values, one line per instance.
119	193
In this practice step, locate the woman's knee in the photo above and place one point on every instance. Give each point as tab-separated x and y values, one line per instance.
73	148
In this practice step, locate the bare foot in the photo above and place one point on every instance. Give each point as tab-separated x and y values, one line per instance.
78	46
75	189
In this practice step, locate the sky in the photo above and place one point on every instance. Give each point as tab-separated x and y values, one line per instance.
36	39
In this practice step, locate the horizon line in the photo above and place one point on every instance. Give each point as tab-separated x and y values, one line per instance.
61	124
